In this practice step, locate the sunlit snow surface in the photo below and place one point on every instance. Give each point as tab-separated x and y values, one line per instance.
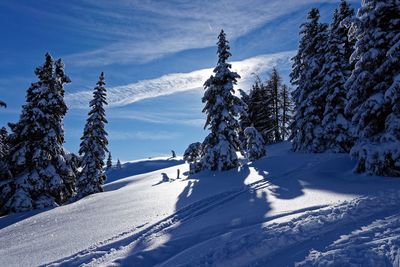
286	208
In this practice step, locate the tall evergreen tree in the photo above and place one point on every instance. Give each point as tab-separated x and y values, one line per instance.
261	110
109	161
222	108
374	88
244	119
42	176
274	84
335	72
286	107
5	172
309	103
94	145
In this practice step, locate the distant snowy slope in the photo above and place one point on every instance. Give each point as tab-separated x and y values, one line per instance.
269	213
141	166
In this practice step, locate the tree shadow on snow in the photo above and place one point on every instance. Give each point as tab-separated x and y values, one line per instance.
280	188
210	205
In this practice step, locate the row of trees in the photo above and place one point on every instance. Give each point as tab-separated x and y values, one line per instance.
348	88
239	124
35	169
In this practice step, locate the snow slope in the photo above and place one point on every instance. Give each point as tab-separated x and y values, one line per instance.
286	208
141	166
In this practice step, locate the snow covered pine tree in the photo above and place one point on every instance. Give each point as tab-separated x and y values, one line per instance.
255	147
109	161
261	110
335	72
94	145
192	154
374	88
274	85
5	172
244	120
307	132
286	116
222	108
42	176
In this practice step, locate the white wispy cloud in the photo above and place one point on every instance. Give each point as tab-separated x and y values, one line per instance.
178	82
178	117
140	31
142	135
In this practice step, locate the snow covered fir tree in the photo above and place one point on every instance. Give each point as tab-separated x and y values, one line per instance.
374	88
192	152
109	162
307	131
261	110
274	85
255	145
222	108
5	172
268	108
94	145
118	165
42	176
335	72
286	112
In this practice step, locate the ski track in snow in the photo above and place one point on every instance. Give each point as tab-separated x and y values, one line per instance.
252	245
260	246
109	249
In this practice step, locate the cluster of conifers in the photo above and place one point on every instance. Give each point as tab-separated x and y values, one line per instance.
347	82
242	124
35	169
346	97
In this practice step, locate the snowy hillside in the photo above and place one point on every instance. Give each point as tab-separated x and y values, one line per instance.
284	209
141	166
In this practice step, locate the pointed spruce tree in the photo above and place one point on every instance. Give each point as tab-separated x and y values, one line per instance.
261	110
119	166
244	119
42	176
109	162
374	88
94	145
5	172
222	108
335	72
309	103
274	84
286	112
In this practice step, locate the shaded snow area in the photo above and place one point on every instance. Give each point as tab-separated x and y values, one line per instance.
287	209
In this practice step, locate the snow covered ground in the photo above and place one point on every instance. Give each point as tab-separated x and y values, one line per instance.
285	209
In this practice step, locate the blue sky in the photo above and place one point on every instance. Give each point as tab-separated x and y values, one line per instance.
155	55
